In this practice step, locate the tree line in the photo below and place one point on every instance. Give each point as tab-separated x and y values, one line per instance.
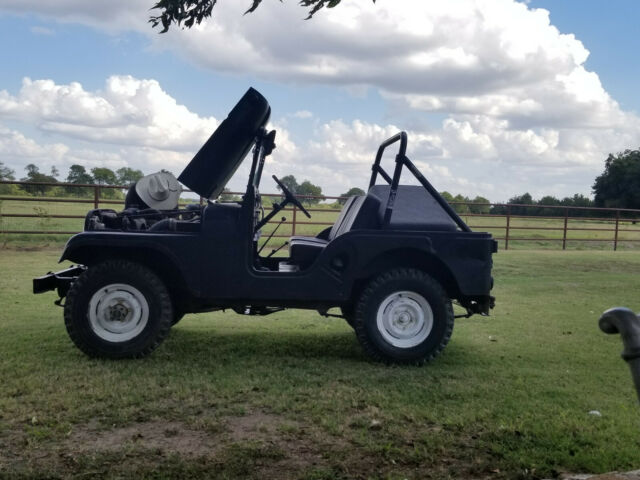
617	187
77	174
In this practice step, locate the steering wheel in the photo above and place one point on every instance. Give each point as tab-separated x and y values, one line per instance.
290	197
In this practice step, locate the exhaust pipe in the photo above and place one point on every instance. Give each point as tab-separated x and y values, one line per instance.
625	322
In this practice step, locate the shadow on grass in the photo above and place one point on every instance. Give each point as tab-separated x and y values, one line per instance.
192	344
193	347
190	347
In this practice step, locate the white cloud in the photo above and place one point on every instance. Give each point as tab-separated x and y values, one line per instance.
18	150
302	114
14	144
128	111
113	16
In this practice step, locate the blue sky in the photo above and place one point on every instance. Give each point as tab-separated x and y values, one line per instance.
496	100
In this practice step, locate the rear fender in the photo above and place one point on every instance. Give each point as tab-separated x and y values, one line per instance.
411	258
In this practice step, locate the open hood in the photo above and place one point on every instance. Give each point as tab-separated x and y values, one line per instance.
218	159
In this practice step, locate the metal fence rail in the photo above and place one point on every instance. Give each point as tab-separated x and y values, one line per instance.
30	214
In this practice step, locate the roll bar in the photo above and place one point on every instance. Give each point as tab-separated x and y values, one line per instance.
401	161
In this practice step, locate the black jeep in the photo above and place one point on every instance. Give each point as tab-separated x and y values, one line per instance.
392	263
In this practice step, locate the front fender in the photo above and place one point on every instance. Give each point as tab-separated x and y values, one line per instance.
173	256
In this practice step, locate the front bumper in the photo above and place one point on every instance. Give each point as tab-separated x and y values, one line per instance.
60	281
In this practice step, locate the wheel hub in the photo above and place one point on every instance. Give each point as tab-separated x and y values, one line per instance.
118	312
405	319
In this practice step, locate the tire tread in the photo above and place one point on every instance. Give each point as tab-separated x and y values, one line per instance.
368	294
151	279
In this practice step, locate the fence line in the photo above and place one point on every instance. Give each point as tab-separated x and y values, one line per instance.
610	223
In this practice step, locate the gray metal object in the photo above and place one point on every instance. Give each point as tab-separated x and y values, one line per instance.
625	322
404	319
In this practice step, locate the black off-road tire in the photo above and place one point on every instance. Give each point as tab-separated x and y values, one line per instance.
101	276
392	283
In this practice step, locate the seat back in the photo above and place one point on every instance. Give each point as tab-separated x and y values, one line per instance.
340	220
414	209
359	212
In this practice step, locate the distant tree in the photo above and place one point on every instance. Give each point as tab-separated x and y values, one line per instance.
227	196
578	200
7	174
188	13
127	176
460	204
34	175
352	192
105	176
548	200
447	196
290	182
619	185
524	199
55	172
78	175
308	188
478	207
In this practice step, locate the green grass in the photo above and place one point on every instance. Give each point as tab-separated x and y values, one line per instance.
292	395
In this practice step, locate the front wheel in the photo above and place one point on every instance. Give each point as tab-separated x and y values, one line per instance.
404	316
118	309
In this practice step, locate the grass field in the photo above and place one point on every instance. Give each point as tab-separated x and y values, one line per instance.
293	396
542	233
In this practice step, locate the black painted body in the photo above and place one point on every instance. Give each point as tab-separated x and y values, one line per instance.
211	260
214	268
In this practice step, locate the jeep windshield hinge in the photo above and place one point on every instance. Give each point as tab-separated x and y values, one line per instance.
263	147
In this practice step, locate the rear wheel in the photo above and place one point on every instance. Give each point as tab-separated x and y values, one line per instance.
118	309
404	316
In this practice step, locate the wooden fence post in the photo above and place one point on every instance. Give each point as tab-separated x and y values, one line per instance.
564	233
506	236
293	222
96	197
615	238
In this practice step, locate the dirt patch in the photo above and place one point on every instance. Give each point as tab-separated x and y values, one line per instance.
256	445
201	440
165	437
12	443
255	426
635	475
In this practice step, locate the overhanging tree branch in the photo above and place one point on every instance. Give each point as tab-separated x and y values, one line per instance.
187	13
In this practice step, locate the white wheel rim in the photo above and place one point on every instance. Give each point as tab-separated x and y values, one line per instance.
404	319
118	312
